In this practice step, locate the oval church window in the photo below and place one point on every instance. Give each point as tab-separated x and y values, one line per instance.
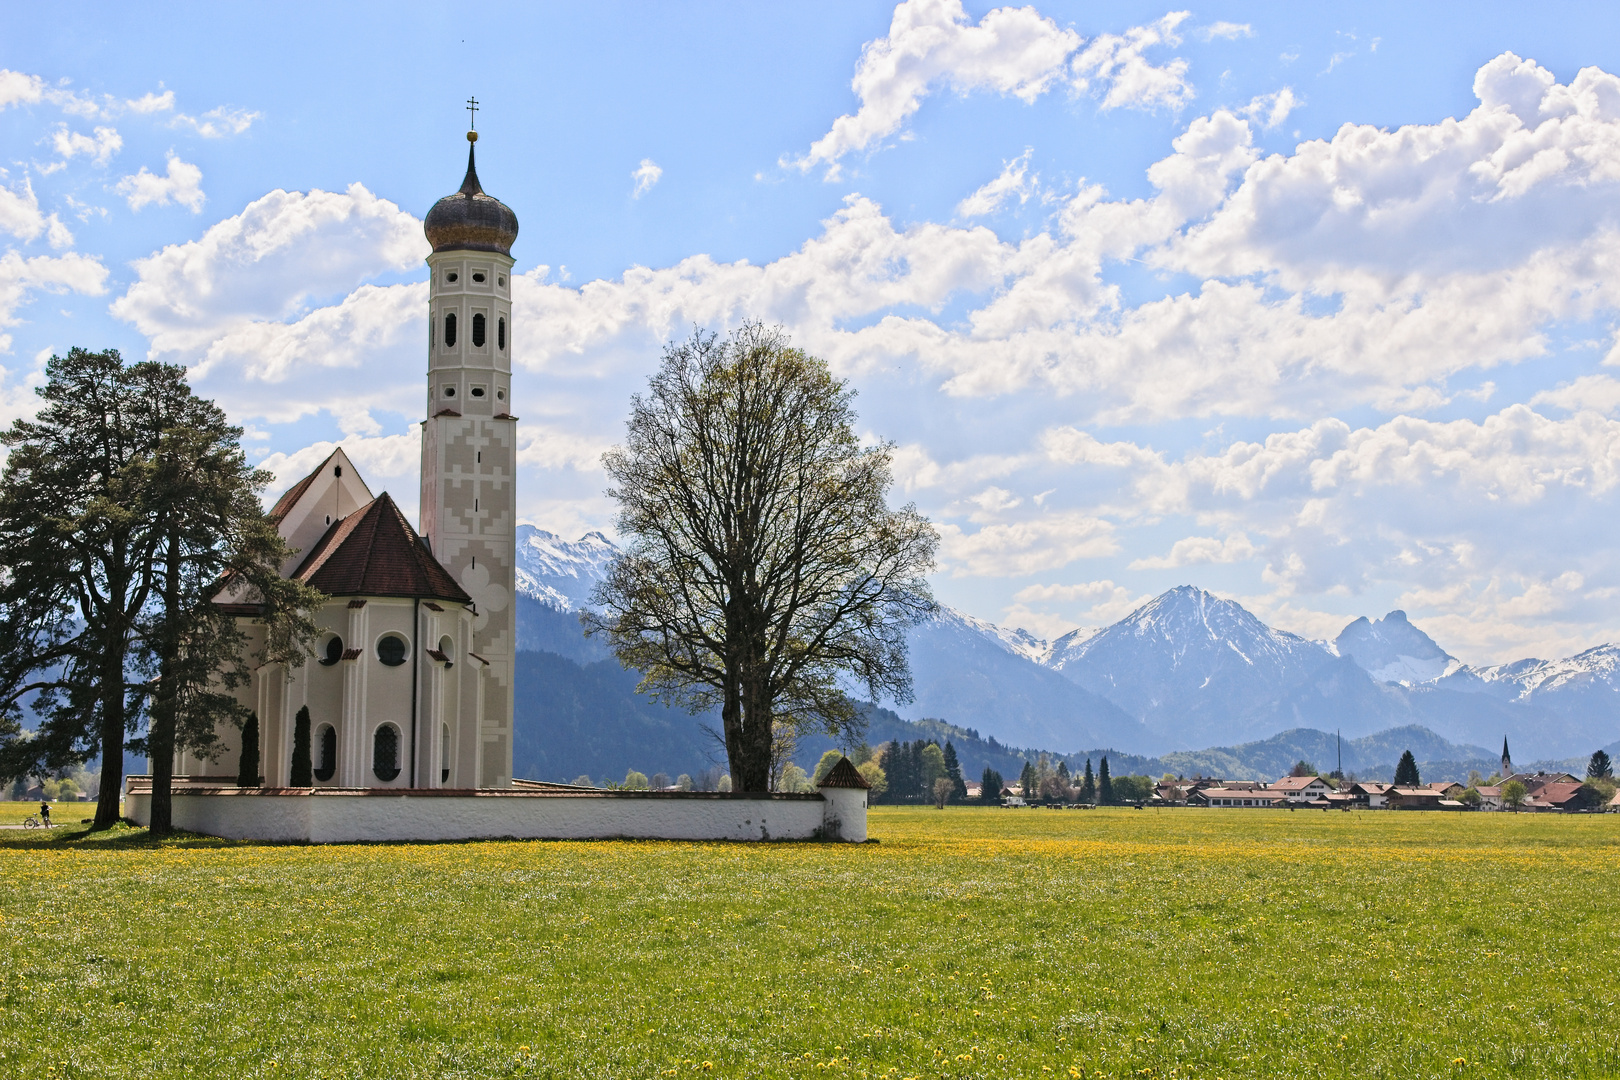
385	753
478	331
391	650
333	650
450	330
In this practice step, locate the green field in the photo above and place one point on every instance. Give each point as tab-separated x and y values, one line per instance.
967	943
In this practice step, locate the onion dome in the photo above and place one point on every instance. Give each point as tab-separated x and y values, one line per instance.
469	220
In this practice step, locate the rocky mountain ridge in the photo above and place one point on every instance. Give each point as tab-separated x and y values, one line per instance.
1186	669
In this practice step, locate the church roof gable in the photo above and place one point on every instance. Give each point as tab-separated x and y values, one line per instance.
375	552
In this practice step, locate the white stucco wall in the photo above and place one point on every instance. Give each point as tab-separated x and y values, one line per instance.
331	816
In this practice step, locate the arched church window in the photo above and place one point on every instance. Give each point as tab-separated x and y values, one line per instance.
385	753
391	650
450	330
500	334
331	651
448	648
478	331
444	756
326	759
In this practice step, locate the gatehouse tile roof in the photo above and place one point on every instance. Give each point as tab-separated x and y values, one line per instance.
375	552
845	775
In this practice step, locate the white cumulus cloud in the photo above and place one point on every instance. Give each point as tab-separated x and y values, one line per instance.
181	185
1015	52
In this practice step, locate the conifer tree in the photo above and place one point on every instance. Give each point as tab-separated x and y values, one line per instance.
1105	785
1026	782
990	785
1406	772
247	768
1088	786
303	771
1600	768
953	769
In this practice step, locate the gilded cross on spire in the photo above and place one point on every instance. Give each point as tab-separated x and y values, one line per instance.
472	114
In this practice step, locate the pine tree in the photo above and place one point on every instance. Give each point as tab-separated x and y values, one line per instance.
1088	786
1599	768
1105	785
303	772
953	769
1026	782
1406	773
990	785
247	768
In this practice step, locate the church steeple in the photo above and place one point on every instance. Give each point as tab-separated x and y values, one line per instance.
1507	761
469	452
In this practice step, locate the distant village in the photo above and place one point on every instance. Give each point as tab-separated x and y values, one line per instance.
1537	792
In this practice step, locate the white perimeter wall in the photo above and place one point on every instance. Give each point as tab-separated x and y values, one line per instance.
326	817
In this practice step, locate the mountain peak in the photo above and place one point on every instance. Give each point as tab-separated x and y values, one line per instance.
1392	650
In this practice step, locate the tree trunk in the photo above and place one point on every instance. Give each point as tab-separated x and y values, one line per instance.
112	733
160	738
757	732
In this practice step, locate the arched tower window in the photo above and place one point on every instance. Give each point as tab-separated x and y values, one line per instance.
500	334
385	753
333	651
327	756
444	756
478	331
450	330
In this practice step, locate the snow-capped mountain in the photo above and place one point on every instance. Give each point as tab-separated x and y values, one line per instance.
1017	641
1596	669
1186	669
1192	667
561	573
1392	650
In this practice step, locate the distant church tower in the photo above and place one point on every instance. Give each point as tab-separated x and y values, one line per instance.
469	451
1507	762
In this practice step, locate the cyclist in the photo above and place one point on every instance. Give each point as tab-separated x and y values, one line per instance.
45	813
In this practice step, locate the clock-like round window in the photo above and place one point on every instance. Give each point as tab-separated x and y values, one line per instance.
391	650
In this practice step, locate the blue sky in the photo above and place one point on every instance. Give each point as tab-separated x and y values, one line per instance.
1310	306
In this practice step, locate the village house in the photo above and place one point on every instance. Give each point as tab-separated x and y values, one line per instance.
1369	794
1302	789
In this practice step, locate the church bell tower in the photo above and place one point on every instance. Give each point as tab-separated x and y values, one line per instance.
469	454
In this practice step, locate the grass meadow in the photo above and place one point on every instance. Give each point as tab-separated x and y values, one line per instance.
966	943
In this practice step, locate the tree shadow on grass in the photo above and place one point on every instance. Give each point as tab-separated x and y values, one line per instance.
121	837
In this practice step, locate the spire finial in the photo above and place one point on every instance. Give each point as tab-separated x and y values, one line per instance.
472	114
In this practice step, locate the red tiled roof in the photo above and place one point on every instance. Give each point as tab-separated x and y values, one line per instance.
1294	783
845	775
375	552
1557	794
294	493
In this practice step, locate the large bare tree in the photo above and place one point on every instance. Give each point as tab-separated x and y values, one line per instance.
763	569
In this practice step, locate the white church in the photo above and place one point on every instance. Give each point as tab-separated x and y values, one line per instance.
410	691
411	682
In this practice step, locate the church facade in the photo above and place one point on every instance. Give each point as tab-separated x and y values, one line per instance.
410	684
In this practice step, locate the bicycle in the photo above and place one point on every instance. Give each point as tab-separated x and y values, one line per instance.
32	822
